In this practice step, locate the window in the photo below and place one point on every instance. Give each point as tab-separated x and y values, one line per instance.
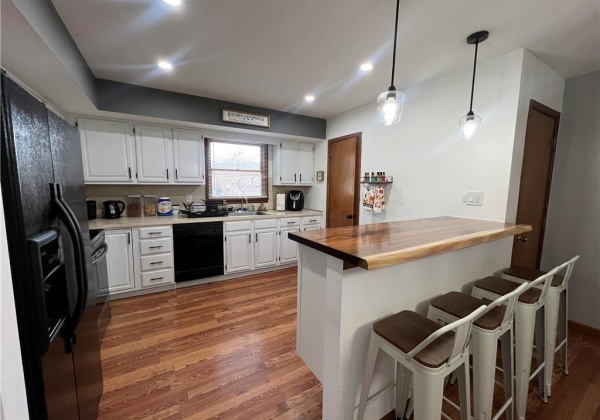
236	170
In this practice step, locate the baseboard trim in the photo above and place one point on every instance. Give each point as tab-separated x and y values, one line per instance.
584	329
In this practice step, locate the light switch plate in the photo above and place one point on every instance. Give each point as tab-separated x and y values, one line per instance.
188	197
475	198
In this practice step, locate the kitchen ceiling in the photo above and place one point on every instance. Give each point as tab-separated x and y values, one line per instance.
272	53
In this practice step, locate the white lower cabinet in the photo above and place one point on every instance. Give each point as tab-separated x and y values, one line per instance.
119	259
288	250
265	243
238	251
153	256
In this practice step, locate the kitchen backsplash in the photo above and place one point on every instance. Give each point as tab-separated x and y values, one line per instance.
176	193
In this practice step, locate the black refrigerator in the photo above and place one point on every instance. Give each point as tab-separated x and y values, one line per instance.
49	249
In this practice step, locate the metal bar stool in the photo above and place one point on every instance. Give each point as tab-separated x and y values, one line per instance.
529	322
493	324
556	313
425	353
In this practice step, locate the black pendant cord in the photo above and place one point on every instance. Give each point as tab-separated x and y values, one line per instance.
392	87
473	82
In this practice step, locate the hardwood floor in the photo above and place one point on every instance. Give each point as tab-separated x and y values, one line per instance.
227	351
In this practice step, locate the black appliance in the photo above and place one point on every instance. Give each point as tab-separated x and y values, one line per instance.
100	277
49	249
198	250
294	200
91	209
214	208
113	209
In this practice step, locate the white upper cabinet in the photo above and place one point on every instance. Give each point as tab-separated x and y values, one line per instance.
188	156
107	148
293	163
152	146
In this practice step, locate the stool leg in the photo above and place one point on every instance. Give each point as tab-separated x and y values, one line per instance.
464	390
484	350
524	327
403	380
552	309
367	376
563	330
508	364
428	393
540	342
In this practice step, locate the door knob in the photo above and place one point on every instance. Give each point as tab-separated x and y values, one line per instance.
521	238
348	216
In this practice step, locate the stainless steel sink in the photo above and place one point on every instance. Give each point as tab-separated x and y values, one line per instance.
248	213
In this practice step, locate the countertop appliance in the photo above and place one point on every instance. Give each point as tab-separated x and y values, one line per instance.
113	209
49	250
280	202
100	277
198	250
295	200
91	209
213	208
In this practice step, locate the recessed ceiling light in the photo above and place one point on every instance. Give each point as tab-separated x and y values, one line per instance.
366	66
173	2
165	65
309	98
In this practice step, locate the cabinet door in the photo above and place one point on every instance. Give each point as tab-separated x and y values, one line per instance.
152	151
305	163
120	260
289	161
265	248
107	149
288	249
239	251
188	156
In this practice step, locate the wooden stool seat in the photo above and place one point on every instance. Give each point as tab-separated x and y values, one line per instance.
500	287
530	274
460	305
407	329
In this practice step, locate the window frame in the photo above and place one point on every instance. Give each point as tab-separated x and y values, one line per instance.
264	158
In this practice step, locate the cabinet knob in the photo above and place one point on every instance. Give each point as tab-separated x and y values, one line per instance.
349	216
521	238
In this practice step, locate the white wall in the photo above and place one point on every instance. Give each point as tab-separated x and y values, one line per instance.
12	384
544	85
573	224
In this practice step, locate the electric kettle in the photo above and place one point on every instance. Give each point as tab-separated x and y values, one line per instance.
113	209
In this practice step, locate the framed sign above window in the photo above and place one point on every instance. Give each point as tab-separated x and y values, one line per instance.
246	118
236	170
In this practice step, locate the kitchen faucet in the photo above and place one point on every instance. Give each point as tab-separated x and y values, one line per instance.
242	203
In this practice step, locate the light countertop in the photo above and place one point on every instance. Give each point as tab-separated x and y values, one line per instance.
129	222
383	244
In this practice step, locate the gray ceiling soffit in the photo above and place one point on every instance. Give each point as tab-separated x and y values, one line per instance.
44	19
138	100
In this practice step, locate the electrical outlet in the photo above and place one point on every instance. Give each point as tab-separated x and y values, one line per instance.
475	198
188	197
464	198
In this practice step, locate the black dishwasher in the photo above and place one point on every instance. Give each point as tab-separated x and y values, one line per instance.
198	250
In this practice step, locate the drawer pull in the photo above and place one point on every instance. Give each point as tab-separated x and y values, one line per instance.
156	278
154	233
155	247
156	262
313	220
290	223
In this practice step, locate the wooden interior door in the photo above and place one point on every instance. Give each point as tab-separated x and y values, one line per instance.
536	178
343	176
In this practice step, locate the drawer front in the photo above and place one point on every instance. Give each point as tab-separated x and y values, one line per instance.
155	232
293	221
156	262
237	226
265	224
308	221
157	278
155	246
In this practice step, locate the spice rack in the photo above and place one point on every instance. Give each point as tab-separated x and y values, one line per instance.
367	181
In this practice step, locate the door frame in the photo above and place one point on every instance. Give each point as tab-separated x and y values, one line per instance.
356	175
542	109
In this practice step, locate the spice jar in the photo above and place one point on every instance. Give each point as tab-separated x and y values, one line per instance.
134	205
149	205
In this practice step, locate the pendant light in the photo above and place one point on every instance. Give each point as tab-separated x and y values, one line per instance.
469	124
390	102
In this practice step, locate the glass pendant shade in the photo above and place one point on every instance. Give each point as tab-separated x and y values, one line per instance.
389	107
468	126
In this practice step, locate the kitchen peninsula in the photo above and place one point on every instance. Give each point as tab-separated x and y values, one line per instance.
349	277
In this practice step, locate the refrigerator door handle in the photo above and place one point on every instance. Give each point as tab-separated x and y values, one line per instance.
67	216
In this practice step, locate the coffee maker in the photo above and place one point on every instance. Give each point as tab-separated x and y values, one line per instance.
295	200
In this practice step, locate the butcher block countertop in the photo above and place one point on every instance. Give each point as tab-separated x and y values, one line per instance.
383	244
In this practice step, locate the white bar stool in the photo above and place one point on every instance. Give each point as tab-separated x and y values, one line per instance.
556	311
529	322
426	353
493	324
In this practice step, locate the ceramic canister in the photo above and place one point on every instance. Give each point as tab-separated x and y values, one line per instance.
164	206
